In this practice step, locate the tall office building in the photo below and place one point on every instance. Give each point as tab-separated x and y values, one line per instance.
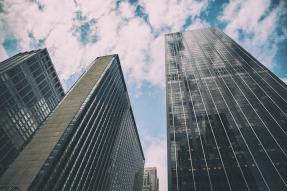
29	91
227	122
89	142
150	179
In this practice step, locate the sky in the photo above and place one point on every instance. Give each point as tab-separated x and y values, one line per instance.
75	32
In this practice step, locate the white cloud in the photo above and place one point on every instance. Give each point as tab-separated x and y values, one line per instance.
3	35
197	24
284	80
118	31
242	14
3	54
171	13
127	11
157	68
257	24
96	8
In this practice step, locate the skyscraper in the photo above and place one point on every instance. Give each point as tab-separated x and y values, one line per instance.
29	91
150	179
227	122
89	142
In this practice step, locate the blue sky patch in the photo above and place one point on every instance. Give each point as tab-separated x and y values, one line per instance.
149	109
11	46
72	80
187	23
140	12
84	29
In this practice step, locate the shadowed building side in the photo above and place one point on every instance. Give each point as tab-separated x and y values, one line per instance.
89	142
29	90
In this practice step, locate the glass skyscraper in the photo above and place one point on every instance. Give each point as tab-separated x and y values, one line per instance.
29	91
227	116
89	142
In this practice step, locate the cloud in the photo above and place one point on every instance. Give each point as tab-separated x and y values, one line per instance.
9	44
3	53
197	23
284	80
29	25
127	11
254	25
37	43
85	30
171	13
75	33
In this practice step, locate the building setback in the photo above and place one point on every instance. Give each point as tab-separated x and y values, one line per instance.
89	142
227	116
150	179
29	91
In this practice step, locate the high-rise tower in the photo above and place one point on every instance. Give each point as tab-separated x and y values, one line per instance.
227	116
150	179
89	142
29	91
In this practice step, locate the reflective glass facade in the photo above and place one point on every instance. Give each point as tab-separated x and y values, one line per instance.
29	91
89	142
227	121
